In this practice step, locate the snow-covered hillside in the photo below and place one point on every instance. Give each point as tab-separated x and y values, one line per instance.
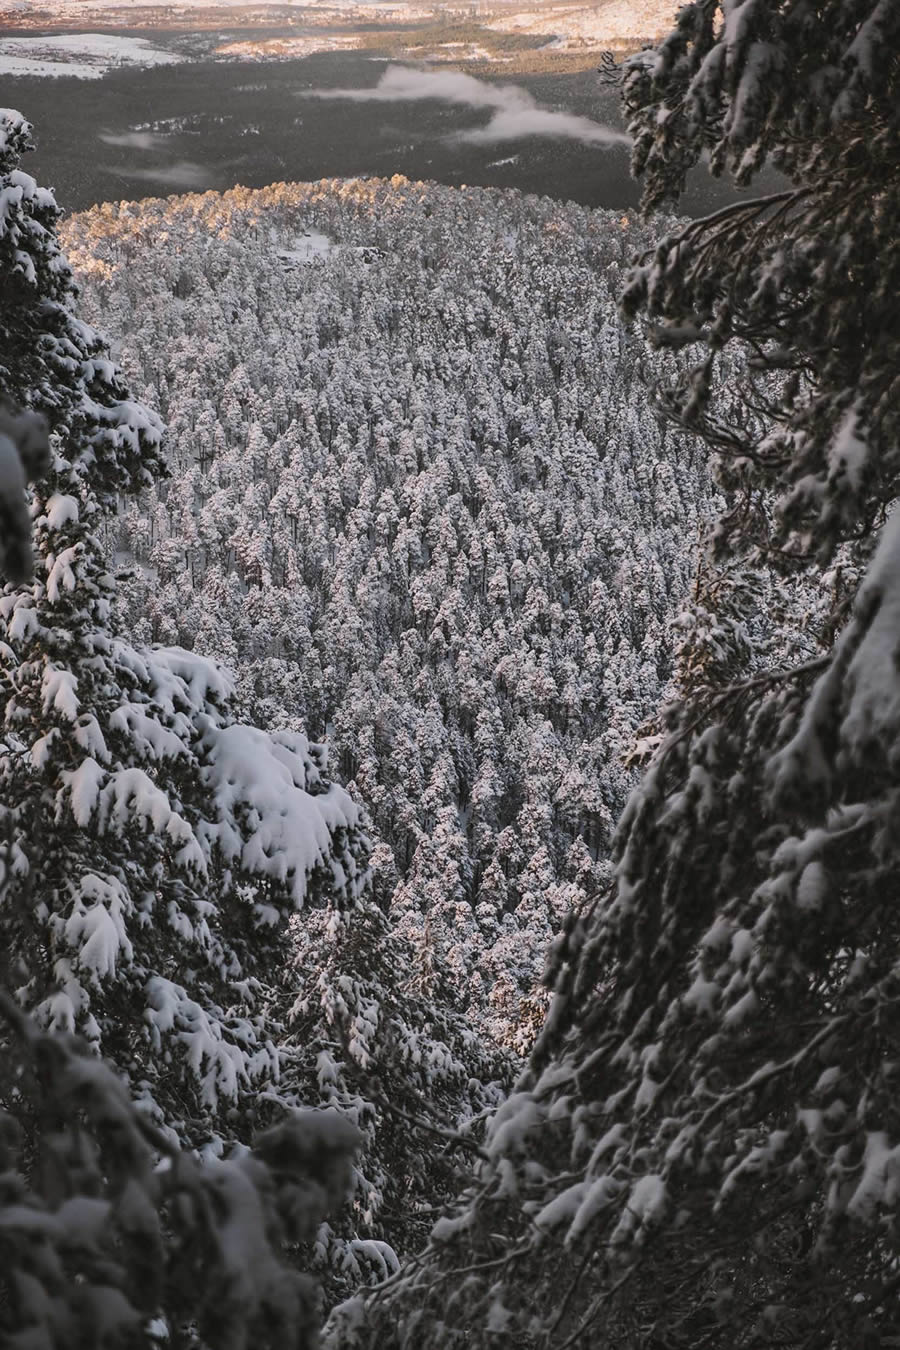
88	56
610	21
590	25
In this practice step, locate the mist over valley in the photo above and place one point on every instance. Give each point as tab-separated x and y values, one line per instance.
171	110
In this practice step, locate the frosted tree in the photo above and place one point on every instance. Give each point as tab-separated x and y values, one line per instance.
784	275
153	849
704	1147
112	1235
400	1066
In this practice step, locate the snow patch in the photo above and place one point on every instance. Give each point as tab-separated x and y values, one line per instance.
645	1205
270	784
85	56
307	248
879	1185
96	926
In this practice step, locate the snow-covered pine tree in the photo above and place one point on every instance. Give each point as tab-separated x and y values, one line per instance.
111	1235
152	851
705	1147
136	810
405	1069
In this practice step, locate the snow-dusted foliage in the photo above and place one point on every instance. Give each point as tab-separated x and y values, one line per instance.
421	503
705	1147
118	1238
151	844
153	847
152	851
806	277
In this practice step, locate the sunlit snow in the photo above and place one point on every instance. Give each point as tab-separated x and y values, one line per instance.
307	248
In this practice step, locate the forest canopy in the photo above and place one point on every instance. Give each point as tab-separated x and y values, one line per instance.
421	503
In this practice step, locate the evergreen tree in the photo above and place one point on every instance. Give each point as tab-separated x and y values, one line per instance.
153	848
401	1067
111	1235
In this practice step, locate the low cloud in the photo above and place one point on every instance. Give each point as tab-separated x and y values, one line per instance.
515	113
184	174
512	124
135	140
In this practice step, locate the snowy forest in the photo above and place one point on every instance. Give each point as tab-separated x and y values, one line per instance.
421	505
449	760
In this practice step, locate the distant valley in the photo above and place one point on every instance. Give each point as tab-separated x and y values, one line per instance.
421	506
130	101
169	128
529	35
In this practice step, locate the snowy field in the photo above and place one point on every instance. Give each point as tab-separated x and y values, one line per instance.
528	37
455	52
570	25
88	56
